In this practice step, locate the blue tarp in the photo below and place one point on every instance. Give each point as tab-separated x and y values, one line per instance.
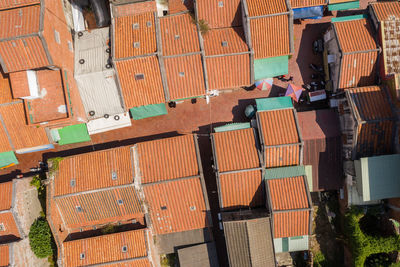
314	12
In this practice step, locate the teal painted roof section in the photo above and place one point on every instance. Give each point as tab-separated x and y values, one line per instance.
347	18
344	6
232	127
77	133
285	172
271	67
273	103
148	111
8	159
380	176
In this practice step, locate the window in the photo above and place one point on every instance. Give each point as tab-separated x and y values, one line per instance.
220	4
114	176
224	43
136	44
135	26
296	237
2	228
124	249
120	202
78	208
163	207
57	37
182	74
139	76
82	256
72	182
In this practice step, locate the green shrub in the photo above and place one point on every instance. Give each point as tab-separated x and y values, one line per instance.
108	229
204	28
36	182
54	162
40	238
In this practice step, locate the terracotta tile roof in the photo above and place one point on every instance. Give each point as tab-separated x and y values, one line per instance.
288	193
179	35
241	190
5	4
358	69
139	29
106	248
134	8
384	10
235	71
176	206
4	255
177	6
220	14
282	156
236	150
6	190
306	3
100	164
292	223
266	7
185	77
166	159
10	227
99	208
131	263
22	135
31	54
136	91
19	84
375	139
19	21
5	90
214	41
261	31
359	30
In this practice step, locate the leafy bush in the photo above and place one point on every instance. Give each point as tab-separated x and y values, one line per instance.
108	229
204	28
36	182
54	162
40	238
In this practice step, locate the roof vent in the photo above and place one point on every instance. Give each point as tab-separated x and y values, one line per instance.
120	202
2	228
106	116
114	175
139	76
91	113
78	208
148	24
81	61
182	74
135	26
124	249
82	256
136	44
224	43
192	208
220	4
134	221
163	207
116	117
177	37
72	182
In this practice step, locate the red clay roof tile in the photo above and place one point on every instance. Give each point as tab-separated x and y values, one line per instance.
4	255
5	4
214	41
9	224
288	155
306	3
266	7
19	84
292	223
288	193
358	69
19	21
385	10
220	13
6	190
177	6
355	35
375	139
134	8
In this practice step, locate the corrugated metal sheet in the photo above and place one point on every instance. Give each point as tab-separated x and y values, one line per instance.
236	150
139	29
5	4
284	172
17	56
106	248
385	10
306	3
241	190
179	35
265	7
100	164
6	190
273	103
100	207
220	14
278	127
134	8
22	135
235	71
358	70
10	226
185	76
277	27
291	223
375	139
176	206
225	41
349	31
319	124
19	21
338	1
288	193
140	92
166	159
281	156
177	6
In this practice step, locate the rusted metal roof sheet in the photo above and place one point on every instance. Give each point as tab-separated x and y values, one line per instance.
111	167
358	69
306	3
6	190
4	255
179	35
185	77
106	248
266	7
288	193
241	190
281	156
385	10
176	206
177	6
6	4
225	41
355	35
10	227
234	69
134	35
291	223
236	150
220	14
100	207
276	42
135	90
19	21
166	159
375	139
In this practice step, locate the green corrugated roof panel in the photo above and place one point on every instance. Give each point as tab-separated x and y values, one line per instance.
8	159
284	172
77	133
347	18
344	6
232	127
148	111
379	176
273	103
271	67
